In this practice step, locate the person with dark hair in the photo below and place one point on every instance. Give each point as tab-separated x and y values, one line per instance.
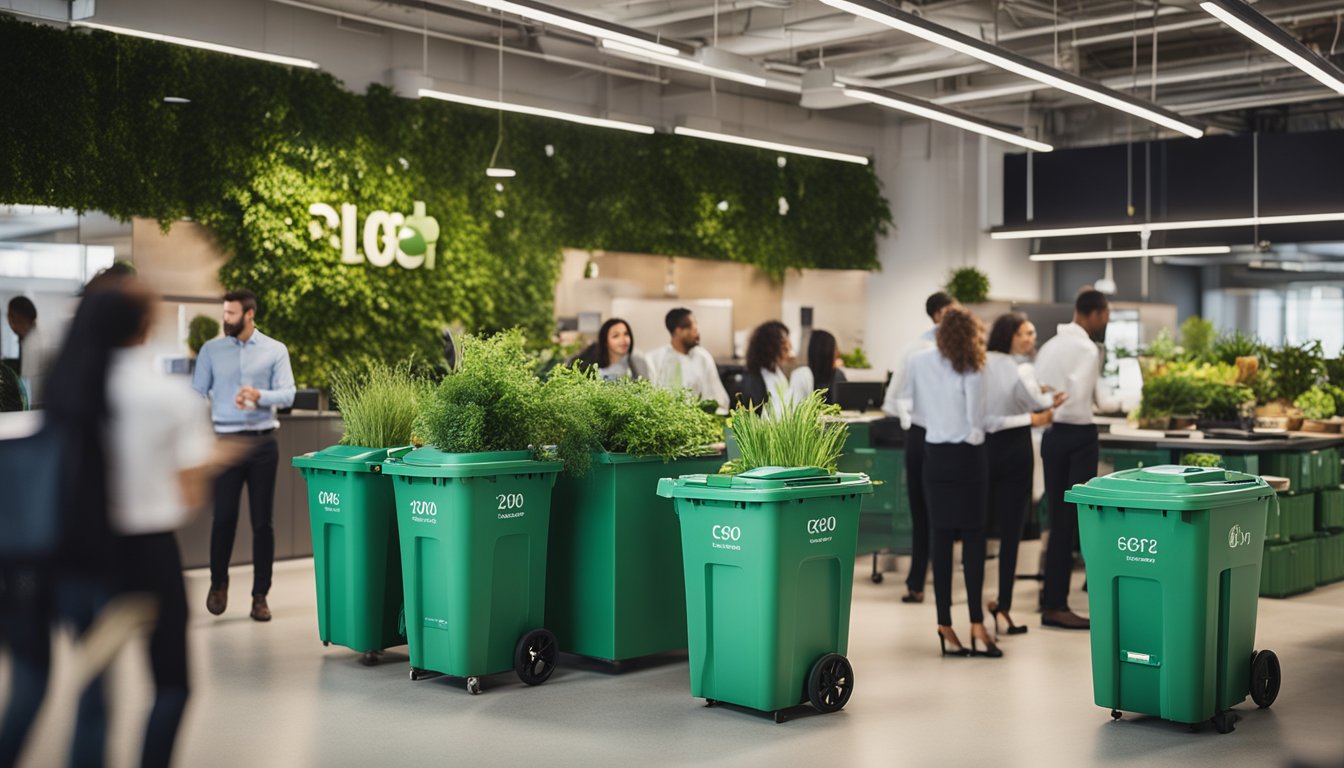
896	405
1014	404
1071	363
246	375
613	354
34	356
822	369
683	363
946	385
767	351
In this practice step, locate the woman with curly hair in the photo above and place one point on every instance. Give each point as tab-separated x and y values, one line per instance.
946	386
767	352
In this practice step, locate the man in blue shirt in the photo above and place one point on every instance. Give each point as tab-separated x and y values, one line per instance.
246	375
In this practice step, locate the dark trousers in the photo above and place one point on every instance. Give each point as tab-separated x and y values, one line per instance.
153	565
955	483
919	512
31	600
1010	469
1069	454
257	471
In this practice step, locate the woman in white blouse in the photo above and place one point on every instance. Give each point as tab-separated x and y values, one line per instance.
822	369
946	385
1014	404
613	354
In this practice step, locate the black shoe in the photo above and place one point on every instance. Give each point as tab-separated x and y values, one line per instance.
957	649
912	596
991	650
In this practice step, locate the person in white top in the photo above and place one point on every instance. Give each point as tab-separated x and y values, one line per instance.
34	357
1070	363
613	354
765	383
946	386
822	369
1014	403
684	364
896	405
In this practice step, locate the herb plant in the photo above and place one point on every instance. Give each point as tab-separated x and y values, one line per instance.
378	403
1316	403
1171	395
490	403
1229	347
807	433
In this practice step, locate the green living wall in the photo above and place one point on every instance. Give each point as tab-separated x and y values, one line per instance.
85	126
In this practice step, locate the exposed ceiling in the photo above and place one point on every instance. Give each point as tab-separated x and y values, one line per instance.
1171	53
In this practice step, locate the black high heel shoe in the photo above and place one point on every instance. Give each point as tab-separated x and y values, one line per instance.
959	650
991	650
911	596
1013	629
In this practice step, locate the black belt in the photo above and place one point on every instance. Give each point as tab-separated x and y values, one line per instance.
247	432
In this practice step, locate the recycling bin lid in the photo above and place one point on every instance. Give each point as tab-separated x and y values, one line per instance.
1170	487
429	461
344	458
766	484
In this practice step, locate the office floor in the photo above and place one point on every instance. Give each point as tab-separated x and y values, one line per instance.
272	695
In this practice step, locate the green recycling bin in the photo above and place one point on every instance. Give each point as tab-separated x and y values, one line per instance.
768	557
355	557
614	589
473	529
1173	565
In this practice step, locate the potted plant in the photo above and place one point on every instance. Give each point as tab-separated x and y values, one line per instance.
1227	406
855	360
473	514
768	557
968	285
1318	410
1172	396
352	510
613	540
201	329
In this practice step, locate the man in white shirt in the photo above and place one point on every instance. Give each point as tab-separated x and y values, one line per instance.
683	363
33	353
897	403
1070	363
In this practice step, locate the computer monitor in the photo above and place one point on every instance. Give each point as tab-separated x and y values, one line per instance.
858	395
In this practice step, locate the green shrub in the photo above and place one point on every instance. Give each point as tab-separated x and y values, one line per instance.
968	285
1197	335
855	359
1201	460
807	433
202	329
490	403
1226	402
1316	403
1171	395
1297	368
378	403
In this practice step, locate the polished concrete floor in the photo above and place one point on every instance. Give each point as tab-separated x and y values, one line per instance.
272	695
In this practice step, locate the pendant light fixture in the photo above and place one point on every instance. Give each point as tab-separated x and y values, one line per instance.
493	170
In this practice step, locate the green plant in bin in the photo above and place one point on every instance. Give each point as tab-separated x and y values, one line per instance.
379	403
968	285
1201	460
806	433
1316	403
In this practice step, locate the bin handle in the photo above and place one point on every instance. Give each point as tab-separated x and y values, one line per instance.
397	453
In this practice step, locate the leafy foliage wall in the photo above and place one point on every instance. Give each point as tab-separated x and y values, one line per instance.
85	127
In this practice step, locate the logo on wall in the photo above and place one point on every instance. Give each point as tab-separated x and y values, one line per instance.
387	237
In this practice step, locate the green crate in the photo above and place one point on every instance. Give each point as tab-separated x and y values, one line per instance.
1131	458
1242	462
884	522
1328	468
1297	466
1330	558
1288	568
1330	509
1297	515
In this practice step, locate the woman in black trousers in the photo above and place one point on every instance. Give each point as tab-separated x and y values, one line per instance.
946	385
1014	404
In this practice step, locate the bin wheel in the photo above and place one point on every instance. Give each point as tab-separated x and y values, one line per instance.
535	655
711	702
417	674
1115	714
830	683
474	686
369	658
779	716
326	643
1266	676
877	578
1225	722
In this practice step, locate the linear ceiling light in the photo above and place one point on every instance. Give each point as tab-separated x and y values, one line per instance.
229	49
944	115
1273	38
1167	226
549	14
681	62
792	149
1198	250
600	122
990	54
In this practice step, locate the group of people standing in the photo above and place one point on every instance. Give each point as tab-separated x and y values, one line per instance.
683	363
968	402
